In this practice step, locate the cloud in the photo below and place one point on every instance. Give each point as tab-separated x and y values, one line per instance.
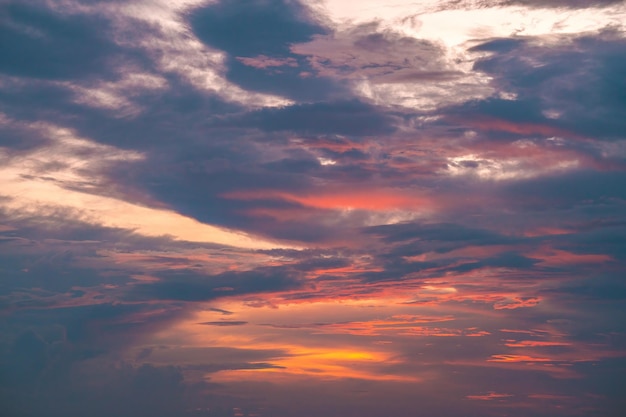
366	51
489	396
123	390
247	31
543	76
190	286
42	43
576	4
73	167
387	67
598	186
445	232
234	367
252	28
259	208
353	118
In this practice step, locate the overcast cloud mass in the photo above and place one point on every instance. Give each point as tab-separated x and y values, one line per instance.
281	208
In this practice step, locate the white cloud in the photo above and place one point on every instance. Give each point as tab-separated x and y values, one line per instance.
384	75
159	28
502	169
176	49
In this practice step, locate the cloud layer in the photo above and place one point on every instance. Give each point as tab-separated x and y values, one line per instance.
287	208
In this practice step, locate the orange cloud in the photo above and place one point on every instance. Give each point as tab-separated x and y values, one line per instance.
534	343
488	123
549	397
546	231
517	358
373	200
516	302
488	397
402	325
324	363
555	257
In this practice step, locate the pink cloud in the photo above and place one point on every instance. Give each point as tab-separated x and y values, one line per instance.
262	62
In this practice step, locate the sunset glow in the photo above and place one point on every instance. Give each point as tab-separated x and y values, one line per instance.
294	208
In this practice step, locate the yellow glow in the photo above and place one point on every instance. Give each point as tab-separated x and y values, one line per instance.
341	355
323	363
62	176
439	290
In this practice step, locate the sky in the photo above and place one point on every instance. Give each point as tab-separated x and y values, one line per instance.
281	208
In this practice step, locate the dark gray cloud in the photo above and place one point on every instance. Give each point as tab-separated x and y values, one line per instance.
569	189
577	80
206	357
502	260
353	118
56	272
196	186
264	31
188	285
41	42
598	289
154	127
608	239
124	390
63	265
250	28
437	232
65	361
414	239
98	329
395	268
294	82
523	110
224	323
53	253
16	140
234	366
327	262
